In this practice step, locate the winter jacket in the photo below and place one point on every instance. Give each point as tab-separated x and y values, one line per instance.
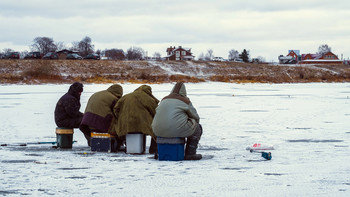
135	111
175	115
98	113
67	112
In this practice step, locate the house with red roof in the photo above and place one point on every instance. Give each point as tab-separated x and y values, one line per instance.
293	57
327	58
179	53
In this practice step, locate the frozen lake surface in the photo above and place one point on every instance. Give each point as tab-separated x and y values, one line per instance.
308	124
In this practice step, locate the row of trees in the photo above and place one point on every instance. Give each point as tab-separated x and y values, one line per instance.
245	56
85	47
45	45
233	55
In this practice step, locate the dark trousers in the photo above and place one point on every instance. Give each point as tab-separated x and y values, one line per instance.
86	131
70	123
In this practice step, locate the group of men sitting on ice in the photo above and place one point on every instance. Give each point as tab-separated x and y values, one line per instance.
108	111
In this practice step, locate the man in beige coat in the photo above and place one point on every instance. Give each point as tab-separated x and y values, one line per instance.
176	117
135	112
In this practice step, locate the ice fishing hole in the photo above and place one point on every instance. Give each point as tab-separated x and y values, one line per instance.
76	177
273	174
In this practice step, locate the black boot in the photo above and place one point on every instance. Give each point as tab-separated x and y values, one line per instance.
193	157
153	147
121	143
114	144
192	144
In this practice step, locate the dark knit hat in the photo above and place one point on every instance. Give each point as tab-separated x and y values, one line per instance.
77	87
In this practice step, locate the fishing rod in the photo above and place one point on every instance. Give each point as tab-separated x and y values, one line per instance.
32	143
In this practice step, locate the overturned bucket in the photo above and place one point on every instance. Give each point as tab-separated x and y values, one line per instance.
64	137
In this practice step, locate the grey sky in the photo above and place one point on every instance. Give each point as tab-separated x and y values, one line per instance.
266	28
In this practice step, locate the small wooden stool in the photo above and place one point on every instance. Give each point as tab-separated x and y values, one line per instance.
64	137
103	142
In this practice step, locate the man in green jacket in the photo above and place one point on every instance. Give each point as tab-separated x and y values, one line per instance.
135	112
176	117
99	116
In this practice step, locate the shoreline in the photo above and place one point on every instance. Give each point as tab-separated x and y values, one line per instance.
157	72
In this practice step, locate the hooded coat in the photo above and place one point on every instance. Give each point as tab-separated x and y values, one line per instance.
135	111
99	114
67	112
175	115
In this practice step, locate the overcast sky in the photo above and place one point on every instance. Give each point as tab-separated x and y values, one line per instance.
266	28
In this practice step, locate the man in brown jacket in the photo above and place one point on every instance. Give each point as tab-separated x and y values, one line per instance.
135	112
99	116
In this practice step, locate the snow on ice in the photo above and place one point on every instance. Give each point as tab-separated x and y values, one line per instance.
308	124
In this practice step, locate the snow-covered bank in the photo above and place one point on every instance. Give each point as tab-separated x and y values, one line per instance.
307	123
110	71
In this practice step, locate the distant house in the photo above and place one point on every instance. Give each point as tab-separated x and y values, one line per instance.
310	56
179	53
328	58
293	57
295	54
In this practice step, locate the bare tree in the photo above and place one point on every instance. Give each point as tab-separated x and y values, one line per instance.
233	54
85	47
135	53
258	60
210	55
115	54
99	52
23	53
157	56
261	59
60	46
323	49
6	50
43	45
75	46
201	57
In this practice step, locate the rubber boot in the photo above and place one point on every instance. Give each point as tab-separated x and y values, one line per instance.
191	149
192	144
114	144
121	143
193	157
153	147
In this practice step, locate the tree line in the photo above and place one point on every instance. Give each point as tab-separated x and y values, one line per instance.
85	47
233	55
